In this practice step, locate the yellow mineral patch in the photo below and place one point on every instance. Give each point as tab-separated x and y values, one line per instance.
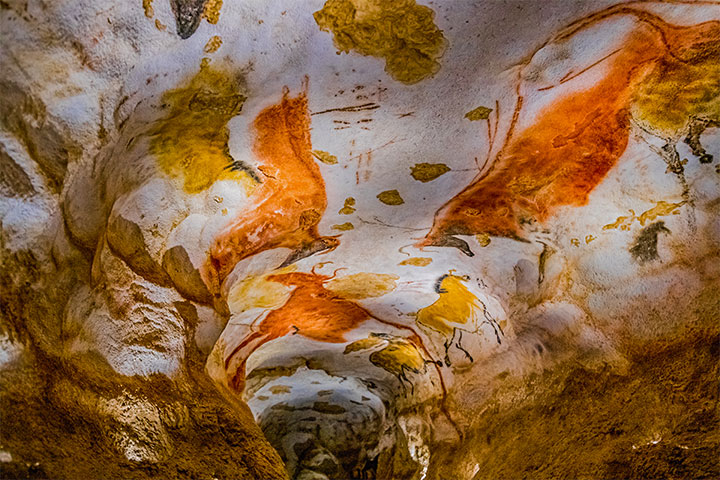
148	8
257	292
159	25
211	13
277	389
399	31
191	142
456	305
483	239
390	197
349	207
417	261
325	157
364	344
479	113
343	226
676	91
363	285
427	172
213	44
661	208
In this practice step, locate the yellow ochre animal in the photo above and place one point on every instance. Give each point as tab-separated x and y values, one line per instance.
454	312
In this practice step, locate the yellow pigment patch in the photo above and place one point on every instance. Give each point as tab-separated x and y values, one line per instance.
364	344
427	172
363	285
211	12
417	261
257	292
343	226
479	113
148	8
159	25
675	91
349	207
191	142
456	305
324	157
277	389
660	209
483	239
213	44
390	197
400	31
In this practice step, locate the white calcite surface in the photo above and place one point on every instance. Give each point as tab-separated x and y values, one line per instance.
401	239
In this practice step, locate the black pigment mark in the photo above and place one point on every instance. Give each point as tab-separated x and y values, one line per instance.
696	128
645	247
188	14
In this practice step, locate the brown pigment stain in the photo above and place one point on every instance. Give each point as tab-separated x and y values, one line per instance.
573	144
191	142
290	201
401	32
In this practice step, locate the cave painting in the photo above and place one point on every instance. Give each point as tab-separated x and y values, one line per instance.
191	142
398	356
313	310
663	78
454	312
288	203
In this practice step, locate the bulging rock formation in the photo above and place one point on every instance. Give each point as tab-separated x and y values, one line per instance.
359	239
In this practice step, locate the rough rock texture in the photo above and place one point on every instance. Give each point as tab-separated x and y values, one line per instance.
469	244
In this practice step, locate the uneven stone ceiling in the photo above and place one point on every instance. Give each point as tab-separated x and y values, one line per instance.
418	239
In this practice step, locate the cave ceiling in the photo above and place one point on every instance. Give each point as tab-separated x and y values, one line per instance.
359	239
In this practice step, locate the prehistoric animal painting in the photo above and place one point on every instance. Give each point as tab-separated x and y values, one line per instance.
456	311
313	311
288	203
662	78
396	355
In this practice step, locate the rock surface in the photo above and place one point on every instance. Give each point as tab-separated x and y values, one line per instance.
359	239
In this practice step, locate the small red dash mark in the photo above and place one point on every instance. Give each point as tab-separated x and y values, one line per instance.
288	204
573	144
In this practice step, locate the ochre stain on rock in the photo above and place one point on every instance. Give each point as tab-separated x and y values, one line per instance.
390	197
427	172
401	32
348	207
211	12
577	139
417	261
213	44
343	226
661	208
479	113
325	157
363	285
286	208
191	141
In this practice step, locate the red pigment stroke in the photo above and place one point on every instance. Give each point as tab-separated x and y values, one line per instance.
314	312
574	143
289	202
